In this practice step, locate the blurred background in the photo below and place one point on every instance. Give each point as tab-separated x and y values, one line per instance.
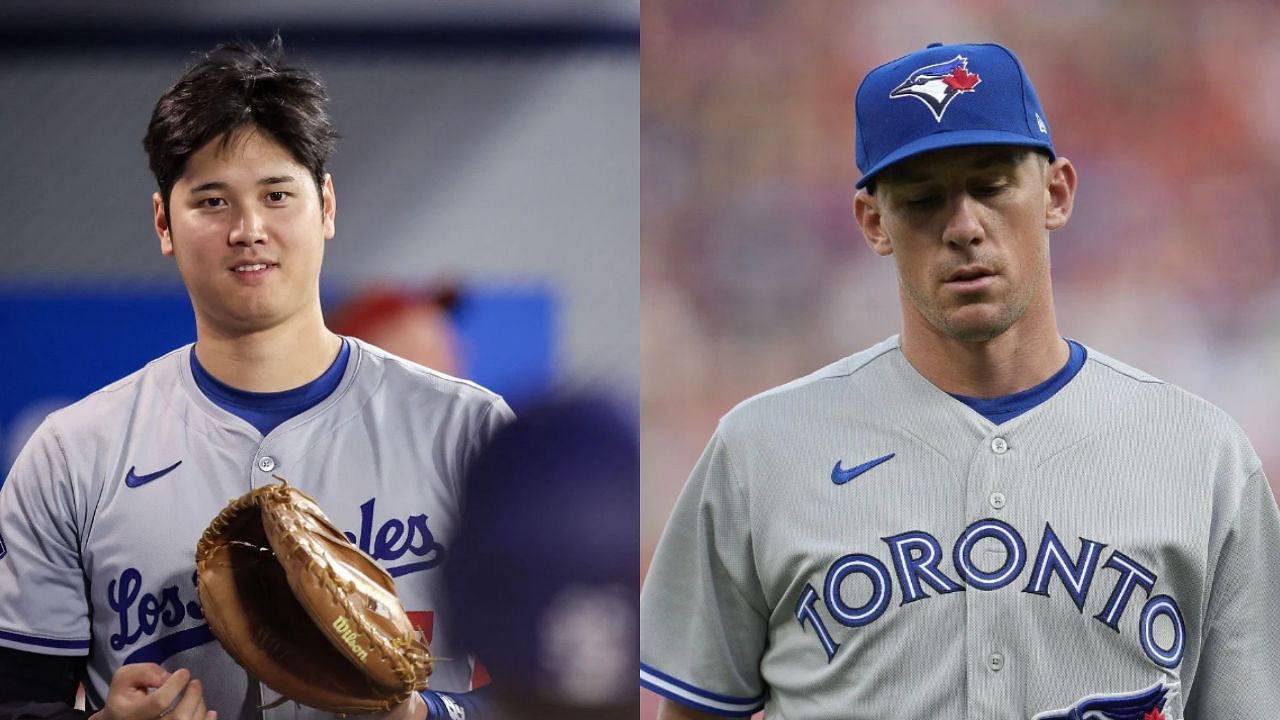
753	271
486	178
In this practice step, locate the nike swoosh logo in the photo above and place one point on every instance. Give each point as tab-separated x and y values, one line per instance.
840	476
134	480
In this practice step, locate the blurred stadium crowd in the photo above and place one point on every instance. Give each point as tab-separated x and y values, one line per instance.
753	271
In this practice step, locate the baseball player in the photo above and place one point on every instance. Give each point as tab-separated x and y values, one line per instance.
975	518
102	510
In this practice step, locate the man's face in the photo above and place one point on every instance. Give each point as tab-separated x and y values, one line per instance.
247	229
968	228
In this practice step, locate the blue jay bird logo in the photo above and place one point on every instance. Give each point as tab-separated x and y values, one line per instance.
1143	705
938	84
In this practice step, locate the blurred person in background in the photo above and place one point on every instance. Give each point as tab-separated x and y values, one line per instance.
547	595
415	324
974	467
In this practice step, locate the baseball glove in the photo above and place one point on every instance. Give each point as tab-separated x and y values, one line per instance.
302	609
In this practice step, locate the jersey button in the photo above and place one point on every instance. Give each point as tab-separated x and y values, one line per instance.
997	500
266	463
995	662
999	446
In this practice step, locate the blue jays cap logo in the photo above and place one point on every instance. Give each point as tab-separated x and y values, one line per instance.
938	84
1143	705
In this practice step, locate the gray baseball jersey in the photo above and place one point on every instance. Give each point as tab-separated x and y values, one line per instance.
102	510
859	544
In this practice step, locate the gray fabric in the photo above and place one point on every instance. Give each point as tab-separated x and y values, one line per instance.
1159	481
90	559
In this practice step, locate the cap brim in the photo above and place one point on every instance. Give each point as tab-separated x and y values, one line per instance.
953	138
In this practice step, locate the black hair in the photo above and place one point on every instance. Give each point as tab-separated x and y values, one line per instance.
230	87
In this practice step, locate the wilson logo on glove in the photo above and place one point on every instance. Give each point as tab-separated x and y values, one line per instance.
350	636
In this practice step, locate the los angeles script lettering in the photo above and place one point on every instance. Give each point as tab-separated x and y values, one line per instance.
395	538
143	614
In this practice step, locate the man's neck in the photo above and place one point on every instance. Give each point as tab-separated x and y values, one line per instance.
1025	355
270	360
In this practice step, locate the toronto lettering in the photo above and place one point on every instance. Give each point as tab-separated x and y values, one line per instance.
916	557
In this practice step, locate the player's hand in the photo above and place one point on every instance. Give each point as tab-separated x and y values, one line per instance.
145	691
415	708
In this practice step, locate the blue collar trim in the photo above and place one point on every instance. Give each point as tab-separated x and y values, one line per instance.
265	411
1008	407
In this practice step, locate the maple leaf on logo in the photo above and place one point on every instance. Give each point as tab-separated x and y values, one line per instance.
961	80
1154	714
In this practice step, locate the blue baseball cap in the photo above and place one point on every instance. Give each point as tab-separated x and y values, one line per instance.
946	96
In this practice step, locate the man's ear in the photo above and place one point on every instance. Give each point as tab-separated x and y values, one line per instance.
866	208
1060	193
329	207
161	224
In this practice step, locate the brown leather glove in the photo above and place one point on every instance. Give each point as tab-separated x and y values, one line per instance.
302	609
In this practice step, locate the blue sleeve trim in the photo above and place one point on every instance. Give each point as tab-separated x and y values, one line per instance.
435	707
697	698
472	705
44	642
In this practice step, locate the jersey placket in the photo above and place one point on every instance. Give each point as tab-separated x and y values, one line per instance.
988	557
